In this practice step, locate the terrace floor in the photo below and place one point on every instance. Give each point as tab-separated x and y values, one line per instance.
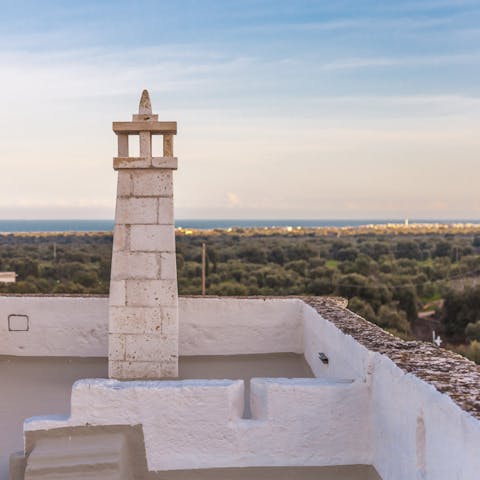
41	386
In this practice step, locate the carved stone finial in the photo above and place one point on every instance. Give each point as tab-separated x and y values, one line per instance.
145	106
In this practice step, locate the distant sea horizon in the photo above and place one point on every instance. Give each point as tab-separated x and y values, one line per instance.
84	225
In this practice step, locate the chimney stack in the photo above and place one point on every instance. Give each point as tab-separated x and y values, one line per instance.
143	302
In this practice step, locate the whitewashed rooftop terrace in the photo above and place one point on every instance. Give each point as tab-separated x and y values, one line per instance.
407	408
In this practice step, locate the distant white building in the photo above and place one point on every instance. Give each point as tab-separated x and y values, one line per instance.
8	277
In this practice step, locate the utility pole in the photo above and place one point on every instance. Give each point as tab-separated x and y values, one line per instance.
204	266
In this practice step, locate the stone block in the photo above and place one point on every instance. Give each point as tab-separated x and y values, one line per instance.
115	369
150	348
116	346
170	322
92	455
136	320
168	145
117	296
134	210
144	117
134	128
151	293
149	183
122	145
135	265
145	142
152	238
165	162
121	238
124	183
170	368
131	162
142	370
168	266
165	211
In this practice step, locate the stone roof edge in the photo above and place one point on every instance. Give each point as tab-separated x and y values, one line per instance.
447	371
55	295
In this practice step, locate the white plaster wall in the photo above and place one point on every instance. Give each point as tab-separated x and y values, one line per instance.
77	326
401	403
219	326
417	433
347	358
198	424
58	326
390	436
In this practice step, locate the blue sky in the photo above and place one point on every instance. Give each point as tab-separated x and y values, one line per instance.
286	109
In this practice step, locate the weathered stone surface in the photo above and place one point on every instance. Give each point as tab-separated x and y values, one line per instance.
117	295
122	145
134	210
168	269
137	320
145	117
121	237
165	211
131	162
151	293
168	145
136	265
124	184
143	314
145	144
165	162
157	183
170	325
152	238
145	106
116	346
129	370
132	128
448	372
149	348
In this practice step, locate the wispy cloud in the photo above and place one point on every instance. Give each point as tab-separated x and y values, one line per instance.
371	24
425	5
97	72
300	93
233	200
401	61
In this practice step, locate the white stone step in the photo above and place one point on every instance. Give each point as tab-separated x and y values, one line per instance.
79	457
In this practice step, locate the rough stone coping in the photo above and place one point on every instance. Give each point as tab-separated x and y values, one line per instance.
447	371
155	127
55	295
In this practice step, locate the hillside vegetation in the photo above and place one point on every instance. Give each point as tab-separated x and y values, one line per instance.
407	283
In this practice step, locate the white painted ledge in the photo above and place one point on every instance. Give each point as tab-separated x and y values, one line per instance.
197	423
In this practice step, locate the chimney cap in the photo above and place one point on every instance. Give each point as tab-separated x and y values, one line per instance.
145	106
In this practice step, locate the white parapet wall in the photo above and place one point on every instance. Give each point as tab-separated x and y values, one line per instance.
419	433
235	326
383	416
77	326
69	326
196	424
346	357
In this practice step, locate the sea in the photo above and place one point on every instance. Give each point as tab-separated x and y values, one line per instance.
12	226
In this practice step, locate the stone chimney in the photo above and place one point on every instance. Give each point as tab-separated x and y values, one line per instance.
143	303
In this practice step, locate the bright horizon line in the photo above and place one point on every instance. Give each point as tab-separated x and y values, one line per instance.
343	219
